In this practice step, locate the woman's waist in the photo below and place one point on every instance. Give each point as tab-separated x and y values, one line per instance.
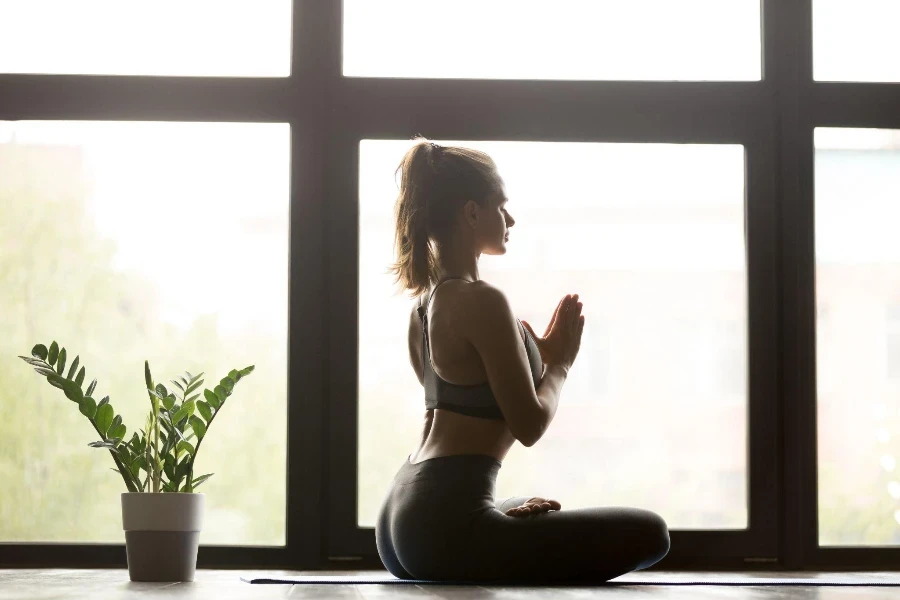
476	473
453	434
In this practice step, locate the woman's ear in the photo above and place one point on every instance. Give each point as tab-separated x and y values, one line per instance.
470	212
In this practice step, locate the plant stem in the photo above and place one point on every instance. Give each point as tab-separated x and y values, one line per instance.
156	477
190	482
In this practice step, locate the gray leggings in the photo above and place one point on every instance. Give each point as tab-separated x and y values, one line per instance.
439	522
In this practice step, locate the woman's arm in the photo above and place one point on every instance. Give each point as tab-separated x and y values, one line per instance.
493	331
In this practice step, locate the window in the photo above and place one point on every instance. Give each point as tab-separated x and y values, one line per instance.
570	39
165	37
856	41
647	254
760	348
858	278
126	241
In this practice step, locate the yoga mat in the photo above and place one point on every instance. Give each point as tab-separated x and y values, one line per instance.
693	579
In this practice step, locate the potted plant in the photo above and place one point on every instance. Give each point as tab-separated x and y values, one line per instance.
161	512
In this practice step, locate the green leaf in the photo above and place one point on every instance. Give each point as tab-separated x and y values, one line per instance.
211	398
39	351
73	368
61	362
118	432
228	384
189	376
180	387
72	391
193	398
104	418
79	379
57	381
123	452
221	394
201	479
161	391
33	361
112	426
193	387
104	401
185	447
169	467
88	407
147	379
182	469
103	444
204	409
45	371
247	370
185	411
198	426
53	353
235	375
139	463
91	388
168	402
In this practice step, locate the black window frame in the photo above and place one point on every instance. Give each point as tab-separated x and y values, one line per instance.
329	114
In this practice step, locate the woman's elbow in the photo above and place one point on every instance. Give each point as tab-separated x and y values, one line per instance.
530	436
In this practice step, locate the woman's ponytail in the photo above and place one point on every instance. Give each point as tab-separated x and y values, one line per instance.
434	182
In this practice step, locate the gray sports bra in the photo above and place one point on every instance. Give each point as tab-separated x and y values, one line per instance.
474	400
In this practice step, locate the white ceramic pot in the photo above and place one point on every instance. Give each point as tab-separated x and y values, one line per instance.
162	534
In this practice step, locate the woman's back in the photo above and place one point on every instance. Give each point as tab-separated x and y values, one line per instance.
449	317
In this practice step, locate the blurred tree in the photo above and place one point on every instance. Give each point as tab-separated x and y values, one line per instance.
59	284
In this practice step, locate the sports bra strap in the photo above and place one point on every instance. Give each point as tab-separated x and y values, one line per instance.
423	310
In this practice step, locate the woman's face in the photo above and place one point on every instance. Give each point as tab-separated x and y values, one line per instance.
494	223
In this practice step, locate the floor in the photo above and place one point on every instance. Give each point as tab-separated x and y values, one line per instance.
111	584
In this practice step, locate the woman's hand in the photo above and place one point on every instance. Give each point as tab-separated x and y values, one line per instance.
533	506
562	340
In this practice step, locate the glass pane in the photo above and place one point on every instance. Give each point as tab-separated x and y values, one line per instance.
127	241
856	41
166	37
651	236
858	342
567	39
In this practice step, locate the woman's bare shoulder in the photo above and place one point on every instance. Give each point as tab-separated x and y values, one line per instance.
480	302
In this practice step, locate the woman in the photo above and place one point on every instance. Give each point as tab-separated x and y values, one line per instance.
489	382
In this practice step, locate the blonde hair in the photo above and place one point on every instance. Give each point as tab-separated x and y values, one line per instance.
436	181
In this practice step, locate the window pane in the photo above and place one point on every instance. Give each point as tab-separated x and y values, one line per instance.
654	413
127	241
566	39
165	37
858	342
856	41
